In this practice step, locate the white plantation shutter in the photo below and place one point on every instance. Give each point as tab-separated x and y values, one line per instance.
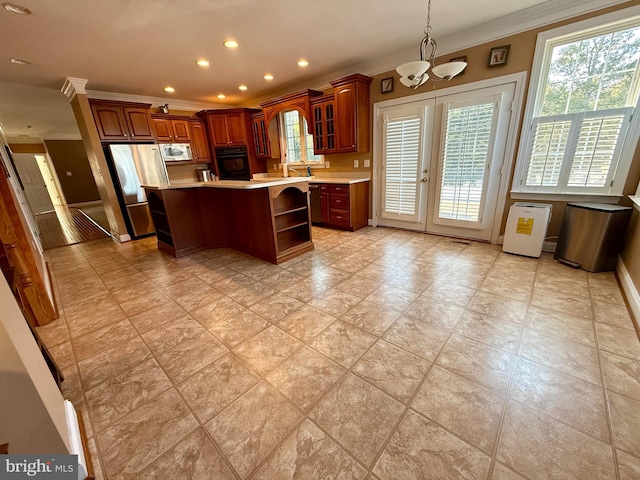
599	142
574	151
549	141
402	160
467	142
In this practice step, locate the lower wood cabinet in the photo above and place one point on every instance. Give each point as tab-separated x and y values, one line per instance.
345	206
271	223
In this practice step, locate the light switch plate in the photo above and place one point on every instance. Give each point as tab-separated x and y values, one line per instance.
69	174
356	164
327	164
367	163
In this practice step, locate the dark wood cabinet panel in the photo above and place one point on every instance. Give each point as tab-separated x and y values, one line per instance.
271	223
260	136
237	129
199	143
110	122
218	130
228	129
180	129
351	96
122	121
345	206
324	133
139	123
163	130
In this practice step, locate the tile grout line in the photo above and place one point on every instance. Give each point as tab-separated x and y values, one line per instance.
605	396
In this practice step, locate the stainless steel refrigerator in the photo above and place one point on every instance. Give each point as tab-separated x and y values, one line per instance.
132	166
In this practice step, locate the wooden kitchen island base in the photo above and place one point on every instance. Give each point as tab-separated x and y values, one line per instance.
268	221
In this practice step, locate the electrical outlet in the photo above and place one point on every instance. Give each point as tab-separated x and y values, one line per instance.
275	166
69	174
327	164
356	163
367	163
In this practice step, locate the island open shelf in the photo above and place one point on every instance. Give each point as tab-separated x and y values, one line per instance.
270	222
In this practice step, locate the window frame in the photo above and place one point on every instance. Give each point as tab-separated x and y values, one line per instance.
304	133
546	41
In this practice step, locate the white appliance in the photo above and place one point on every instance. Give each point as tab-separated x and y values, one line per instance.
526	229
175	152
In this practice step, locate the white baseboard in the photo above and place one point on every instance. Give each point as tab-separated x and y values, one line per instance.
120	238
633	297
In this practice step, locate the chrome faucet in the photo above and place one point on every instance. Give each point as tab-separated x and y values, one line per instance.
294	170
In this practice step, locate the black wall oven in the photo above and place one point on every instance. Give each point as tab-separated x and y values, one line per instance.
233	163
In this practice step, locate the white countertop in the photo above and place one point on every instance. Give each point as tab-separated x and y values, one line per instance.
258	183
338	180
231	184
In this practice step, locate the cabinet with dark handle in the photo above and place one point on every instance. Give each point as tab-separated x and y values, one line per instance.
345	206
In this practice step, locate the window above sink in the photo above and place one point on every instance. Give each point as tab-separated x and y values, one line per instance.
296	143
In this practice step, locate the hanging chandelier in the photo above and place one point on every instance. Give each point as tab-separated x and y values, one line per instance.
414	74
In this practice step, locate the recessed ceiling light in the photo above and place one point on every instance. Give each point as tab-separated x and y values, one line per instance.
303	63
19	9
203	63
19	61
169	89
268	76
242	87
221	96
231	44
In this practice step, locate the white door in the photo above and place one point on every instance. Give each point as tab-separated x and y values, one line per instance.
441	162
34	187
467	160
405	163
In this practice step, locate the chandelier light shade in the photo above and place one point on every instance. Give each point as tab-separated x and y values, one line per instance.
414	74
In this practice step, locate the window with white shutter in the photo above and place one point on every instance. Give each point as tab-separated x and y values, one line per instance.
578	137
402	164
466	148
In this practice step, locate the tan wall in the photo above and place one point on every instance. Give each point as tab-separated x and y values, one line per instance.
69	156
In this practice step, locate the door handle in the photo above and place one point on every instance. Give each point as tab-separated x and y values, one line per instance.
424	180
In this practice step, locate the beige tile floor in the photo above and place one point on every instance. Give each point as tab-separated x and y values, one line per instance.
382	354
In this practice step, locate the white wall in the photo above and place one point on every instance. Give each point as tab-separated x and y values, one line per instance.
32	415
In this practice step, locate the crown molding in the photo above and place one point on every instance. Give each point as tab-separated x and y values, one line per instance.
174	103
21	139
531	18
73	86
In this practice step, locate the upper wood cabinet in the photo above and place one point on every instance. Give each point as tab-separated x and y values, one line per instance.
229	127
199	143
260	133
300	101
324	127
122	121
171	130
351	96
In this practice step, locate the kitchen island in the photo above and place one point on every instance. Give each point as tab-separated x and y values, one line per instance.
269	220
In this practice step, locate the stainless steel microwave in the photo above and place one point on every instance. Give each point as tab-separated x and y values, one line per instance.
175	152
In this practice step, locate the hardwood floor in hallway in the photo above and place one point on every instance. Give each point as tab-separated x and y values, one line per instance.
67	226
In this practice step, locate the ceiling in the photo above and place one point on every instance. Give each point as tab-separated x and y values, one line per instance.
137	47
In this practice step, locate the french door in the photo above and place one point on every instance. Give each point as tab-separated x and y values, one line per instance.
442	162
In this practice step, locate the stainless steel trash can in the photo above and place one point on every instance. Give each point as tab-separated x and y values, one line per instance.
592	235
